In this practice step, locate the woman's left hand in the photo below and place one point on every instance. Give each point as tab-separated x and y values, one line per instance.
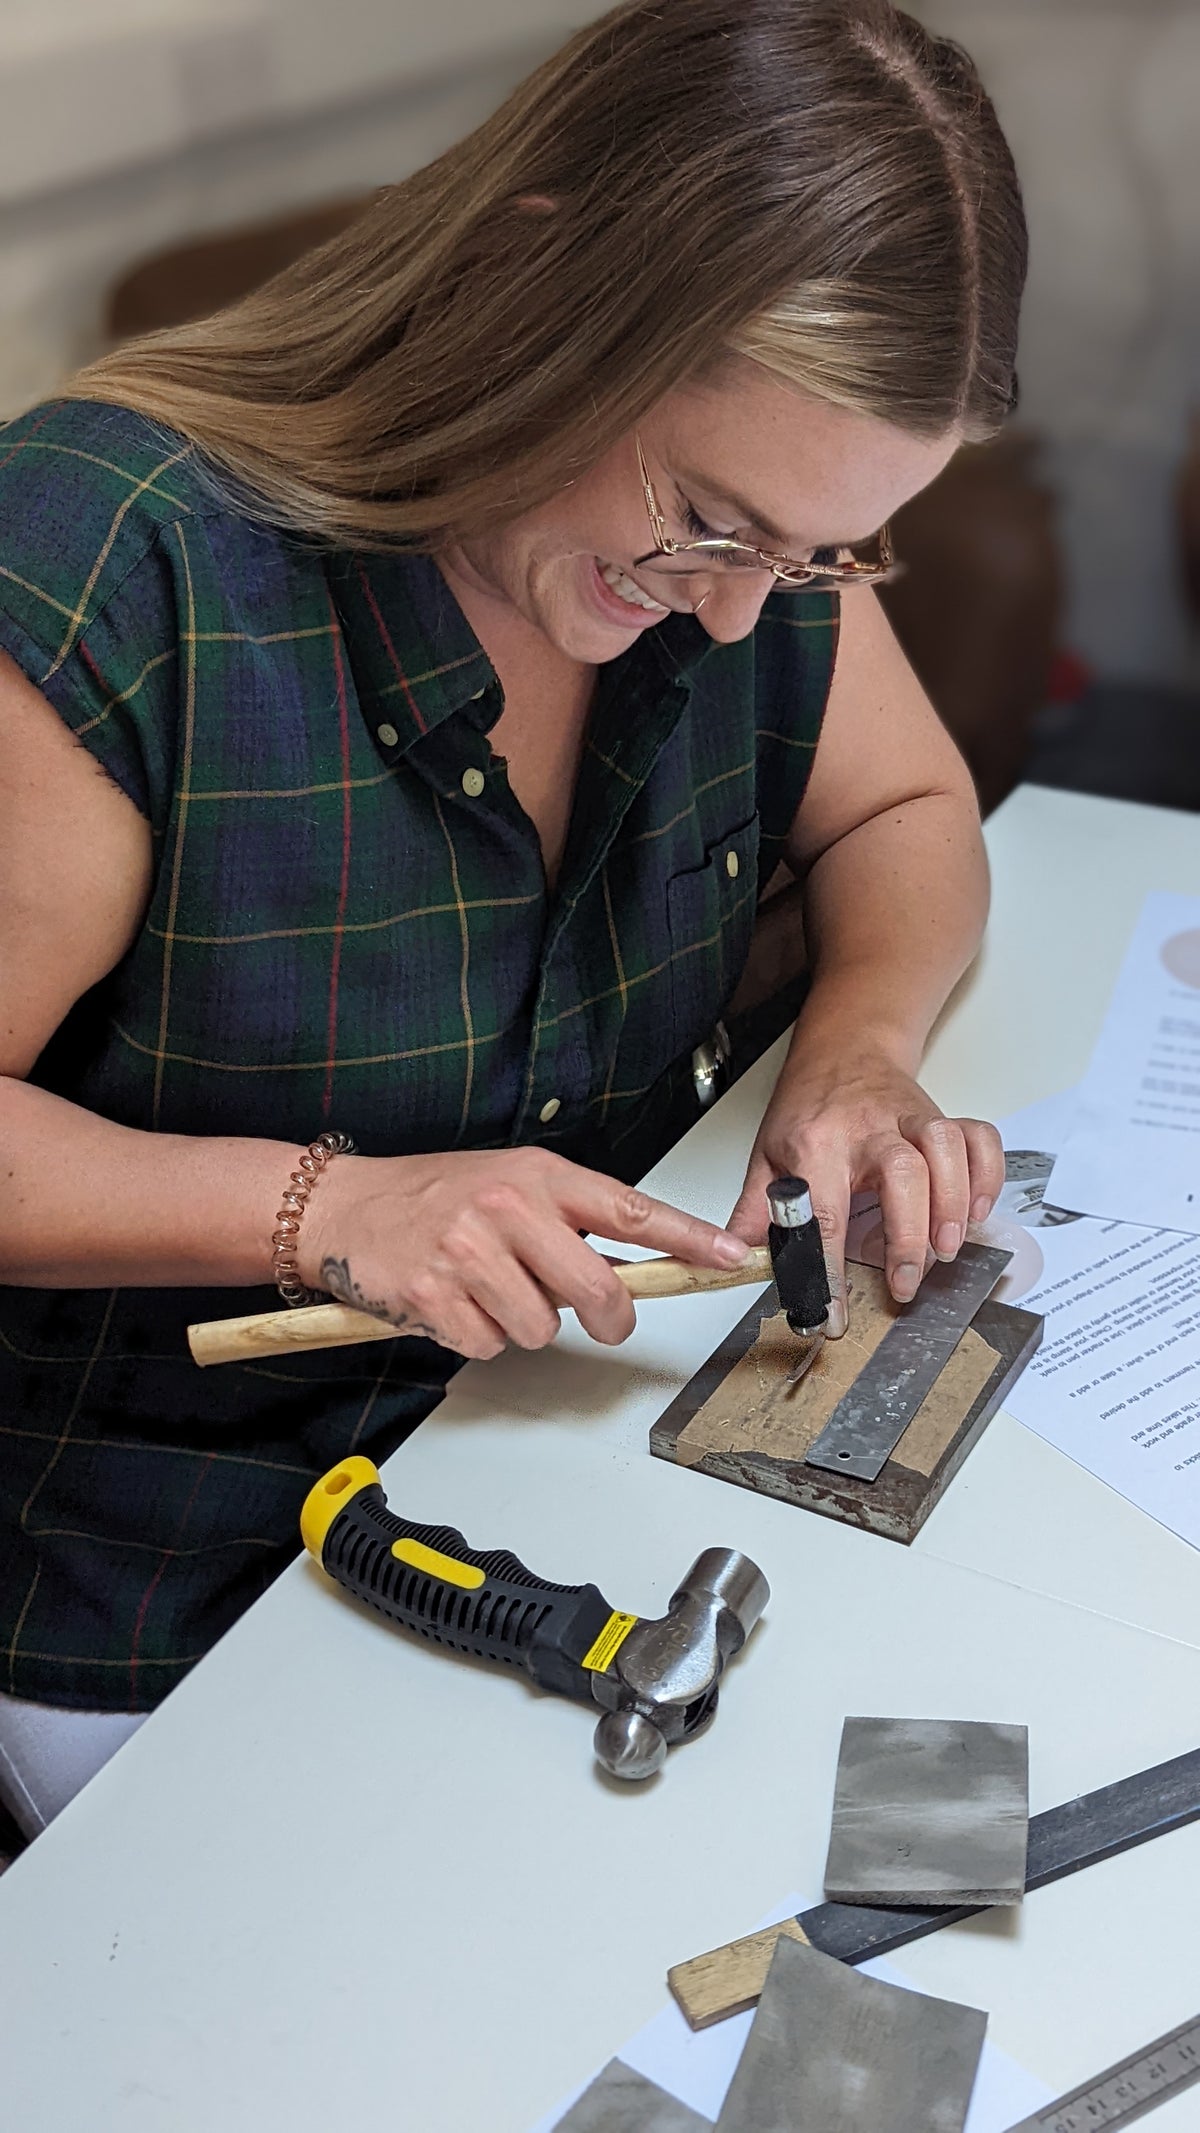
860	1123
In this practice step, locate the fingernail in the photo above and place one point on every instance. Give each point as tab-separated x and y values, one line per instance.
835	1324
729	1249
905	1282
948	1239
982	1207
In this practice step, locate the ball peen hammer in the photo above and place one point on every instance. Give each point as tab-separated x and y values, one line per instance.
793	1257
653	1683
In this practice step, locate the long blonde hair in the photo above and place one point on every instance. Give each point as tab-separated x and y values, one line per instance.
817	184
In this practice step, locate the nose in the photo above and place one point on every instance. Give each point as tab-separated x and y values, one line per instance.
733	603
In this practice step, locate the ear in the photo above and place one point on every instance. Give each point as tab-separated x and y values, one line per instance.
537	204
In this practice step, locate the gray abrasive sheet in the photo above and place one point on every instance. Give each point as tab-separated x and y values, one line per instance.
832	2051
620	2101
929	1811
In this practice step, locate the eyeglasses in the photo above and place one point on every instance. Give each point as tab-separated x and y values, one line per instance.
678	558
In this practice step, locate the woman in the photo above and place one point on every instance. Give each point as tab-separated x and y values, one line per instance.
398	735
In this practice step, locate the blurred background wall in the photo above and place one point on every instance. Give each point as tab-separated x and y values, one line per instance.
1101	101
127	125
129	128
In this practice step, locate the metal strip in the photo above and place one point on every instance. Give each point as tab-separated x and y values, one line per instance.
1128	2090
869	1420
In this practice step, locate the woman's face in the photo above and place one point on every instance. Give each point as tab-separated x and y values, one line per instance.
747	455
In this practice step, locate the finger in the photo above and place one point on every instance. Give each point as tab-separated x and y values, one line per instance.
751	1213
985	1161
581	1278
514	1301
831	1206
493	1279
633	1217
460	1325
941	1142
436	1305
903	1182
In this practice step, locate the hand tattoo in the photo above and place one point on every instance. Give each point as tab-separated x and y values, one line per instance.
340	1282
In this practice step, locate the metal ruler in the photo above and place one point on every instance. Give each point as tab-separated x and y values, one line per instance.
869	1420
1127	2091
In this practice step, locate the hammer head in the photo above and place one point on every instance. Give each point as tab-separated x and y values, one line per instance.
667	1672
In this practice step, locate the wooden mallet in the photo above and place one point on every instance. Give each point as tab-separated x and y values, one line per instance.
333	1325
793	1257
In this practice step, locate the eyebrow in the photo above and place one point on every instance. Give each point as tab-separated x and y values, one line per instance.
747	513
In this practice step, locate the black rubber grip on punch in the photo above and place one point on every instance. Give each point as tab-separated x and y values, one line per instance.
511	1617
798	1260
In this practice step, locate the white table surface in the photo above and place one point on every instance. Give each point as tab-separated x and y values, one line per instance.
343	1877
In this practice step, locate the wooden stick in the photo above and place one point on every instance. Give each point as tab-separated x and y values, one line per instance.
729	1979
234	1340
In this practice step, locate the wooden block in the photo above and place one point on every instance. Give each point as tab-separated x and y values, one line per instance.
621	2101
929	1810
832	2051
729	1979
740	1421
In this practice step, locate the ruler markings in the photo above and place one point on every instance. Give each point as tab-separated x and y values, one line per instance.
1126	2091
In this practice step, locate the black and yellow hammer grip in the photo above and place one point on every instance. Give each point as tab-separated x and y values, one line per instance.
427	1578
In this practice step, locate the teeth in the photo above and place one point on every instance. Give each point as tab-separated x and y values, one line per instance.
625	589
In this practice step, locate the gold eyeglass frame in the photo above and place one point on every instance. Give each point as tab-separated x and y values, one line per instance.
784	569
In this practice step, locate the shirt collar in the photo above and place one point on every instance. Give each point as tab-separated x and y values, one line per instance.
414	656
416	660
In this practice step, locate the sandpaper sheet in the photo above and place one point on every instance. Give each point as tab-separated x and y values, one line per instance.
755	1410
832	2051
620	2101
929	1811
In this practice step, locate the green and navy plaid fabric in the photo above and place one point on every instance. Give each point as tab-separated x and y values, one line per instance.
349	926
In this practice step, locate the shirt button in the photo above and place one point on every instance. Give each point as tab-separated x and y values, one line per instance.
473	782
732	865
388	735
550	1109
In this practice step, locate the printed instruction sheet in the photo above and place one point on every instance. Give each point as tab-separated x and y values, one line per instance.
1116	1382
1133	1149
697	2066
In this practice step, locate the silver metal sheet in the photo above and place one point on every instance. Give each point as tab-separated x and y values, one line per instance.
620	2101
929	1811
869	1420
832	2051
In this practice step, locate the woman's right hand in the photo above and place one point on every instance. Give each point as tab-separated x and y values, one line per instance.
476	1250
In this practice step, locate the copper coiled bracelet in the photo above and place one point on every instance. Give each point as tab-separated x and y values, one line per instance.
283	1258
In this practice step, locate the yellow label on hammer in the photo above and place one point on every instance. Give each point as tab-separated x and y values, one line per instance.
608	1643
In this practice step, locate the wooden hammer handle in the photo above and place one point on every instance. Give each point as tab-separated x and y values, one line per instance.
333	1325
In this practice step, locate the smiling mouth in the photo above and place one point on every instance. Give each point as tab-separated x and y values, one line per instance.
623	586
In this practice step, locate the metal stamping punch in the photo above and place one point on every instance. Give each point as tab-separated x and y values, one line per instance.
801	1276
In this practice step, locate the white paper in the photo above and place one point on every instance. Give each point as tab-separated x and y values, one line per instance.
1116	1382
697	2067
1133	1152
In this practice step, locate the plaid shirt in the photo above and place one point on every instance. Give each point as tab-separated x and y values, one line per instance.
349	925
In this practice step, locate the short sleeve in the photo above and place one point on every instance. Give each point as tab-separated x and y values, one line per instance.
89	606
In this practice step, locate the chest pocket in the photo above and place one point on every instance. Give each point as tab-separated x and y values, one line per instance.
710	914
